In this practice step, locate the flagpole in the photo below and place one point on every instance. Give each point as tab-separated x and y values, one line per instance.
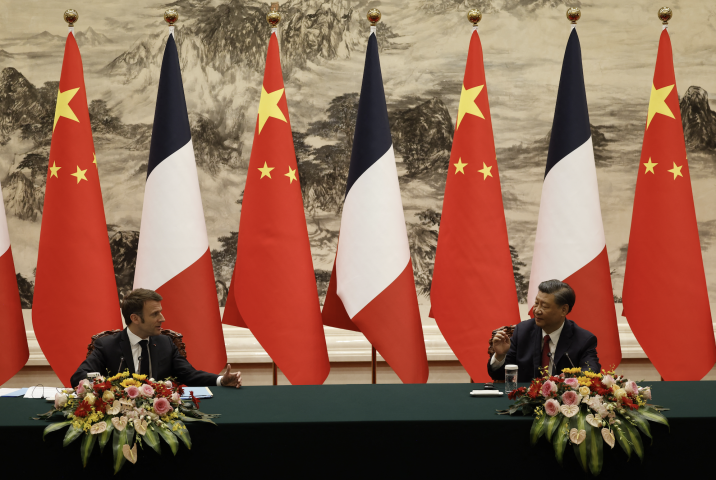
374	17
71	16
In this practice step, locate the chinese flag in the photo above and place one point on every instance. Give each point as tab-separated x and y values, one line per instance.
75	291
273	291
473	290
664	283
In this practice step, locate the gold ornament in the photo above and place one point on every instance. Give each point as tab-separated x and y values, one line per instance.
474	15
574	14
71	16
273	18
374	16
171	16
665	14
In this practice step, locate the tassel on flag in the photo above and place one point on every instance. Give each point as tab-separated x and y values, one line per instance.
372	283
75	291
473	290
570	243
14	351
173	257
664	281
273	291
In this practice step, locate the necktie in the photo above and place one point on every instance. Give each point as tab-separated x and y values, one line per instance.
545	353
144	358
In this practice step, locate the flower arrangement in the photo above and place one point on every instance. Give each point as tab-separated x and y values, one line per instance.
588	410
130	409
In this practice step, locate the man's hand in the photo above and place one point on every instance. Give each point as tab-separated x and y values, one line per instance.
501	345
231	379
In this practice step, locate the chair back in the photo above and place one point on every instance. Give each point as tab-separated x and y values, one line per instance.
176	337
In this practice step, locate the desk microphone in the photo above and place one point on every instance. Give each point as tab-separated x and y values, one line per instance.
570	360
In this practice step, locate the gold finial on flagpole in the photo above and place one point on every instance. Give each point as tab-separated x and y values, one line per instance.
273	17
171	16
665	14
71	16
574	14
374	16
474	15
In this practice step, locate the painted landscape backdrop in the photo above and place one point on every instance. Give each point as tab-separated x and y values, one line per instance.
222	45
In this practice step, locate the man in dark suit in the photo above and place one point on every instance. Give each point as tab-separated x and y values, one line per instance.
548	340
142	348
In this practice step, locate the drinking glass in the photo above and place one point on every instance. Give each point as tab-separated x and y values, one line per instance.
510	378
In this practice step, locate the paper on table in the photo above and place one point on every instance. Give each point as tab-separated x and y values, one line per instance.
7	392
42	392
199	392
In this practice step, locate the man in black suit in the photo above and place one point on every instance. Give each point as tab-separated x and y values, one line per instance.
142	348
548	340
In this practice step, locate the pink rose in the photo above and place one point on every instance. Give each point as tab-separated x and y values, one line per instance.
132	391
551	407
631	388
83	387
176	398
146	390
161	406
548	387
572	382
608	381
570	398
646	392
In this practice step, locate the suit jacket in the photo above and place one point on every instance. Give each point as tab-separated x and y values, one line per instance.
114	354
575	344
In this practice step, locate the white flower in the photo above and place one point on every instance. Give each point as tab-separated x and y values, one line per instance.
98	427
90	398
60	400
114	409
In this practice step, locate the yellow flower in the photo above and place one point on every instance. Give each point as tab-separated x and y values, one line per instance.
584	391
129	382
593	375
584	381
139	377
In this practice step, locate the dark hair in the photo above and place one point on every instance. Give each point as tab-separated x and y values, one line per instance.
563	293
134	303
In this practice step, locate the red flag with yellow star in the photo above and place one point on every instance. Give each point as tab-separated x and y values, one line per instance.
273	291
75	290
664	284
473	289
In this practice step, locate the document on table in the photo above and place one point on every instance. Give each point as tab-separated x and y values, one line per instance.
199	392
12	392
42	392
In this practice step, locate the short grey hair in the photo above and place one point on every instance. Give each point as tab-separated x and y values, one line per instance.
563	293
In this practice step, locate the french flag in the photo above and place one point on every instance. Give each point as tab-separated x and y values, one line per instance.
13	347
570	244
372	287
173	256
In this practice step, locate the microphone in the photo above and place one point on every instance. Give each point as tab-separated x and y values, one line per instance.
139	370
570	360
121	361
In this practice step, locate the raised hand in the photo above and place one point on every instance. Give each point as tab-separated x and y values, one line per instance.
231	379
501	345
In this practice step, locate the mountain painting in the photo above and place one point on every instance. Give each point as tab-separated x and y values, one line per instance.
222	46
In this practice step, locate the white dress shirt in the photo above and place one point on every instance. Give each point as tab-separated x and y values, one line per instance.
137	352
553	339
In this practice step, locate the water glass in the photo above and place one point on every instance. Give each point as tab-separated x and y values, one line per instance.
510	378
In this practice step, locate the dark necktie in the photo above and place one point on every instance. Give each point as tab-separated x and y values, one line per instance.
545	353
144	358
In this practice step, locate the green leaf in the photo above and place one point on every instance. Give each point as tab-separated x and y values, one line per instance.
595	446
54	427
170	438
104	436
622	439
551	424
119	439
130	435
641	423
537	429
73	433
152	439
654	415
200	419
180	432
633	436
560	437
88	442
580	423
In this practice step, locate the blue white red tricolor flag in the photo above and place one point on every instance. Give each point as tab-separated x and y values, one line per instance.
13	348
173	256
372	287
570	244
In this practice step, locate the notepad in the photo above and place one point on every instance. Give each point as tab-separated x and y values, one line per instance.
42	392
12	392
199	392
486	393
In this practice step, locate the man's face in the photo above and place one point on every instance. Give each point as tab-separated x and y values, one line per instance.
548	315
151	324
